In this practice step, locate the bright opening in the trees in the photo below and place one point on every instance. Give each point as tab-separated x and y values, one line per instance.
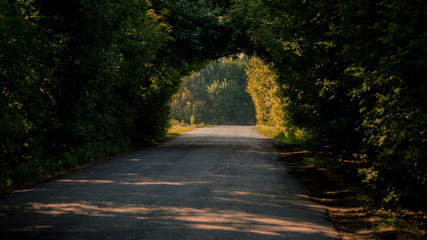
215	95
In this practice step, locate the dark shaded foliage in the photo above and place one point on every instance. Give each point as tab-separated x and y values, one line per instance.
352	74
81	79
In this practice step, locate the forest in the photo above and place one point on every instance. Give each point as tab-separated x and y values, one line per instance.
82	79
215	95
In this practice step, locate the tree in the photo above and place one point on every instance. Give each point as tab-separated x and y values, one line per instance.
270	106
218	93
351	75
81	79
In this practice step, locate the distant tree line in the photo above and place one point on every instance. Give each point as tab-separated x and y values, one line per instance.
215	95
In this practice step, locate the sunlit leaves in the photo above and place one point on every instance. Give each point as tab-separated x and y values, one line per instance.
215	95
270	105
352	73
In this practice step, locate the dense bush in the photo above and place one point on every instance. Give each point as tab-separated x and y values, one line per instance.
72	73
81	79
352	74
270	105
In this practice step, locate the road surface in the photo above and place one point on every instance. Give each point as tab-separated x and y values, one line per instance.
212	183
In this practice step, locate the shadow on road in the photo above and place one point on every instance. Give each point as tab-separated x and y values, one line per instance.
193	187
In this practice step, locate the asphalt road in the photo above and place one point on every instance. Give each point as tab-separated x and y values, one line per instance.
212	183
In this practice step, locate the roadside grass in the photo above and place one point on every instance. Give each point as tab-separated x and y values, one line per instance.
332	183
279	134
267	131
40	170
177	129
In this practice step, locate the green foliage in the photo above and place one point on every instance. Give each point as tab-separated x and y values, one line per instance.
200	32
352	76
80	79
83	79
270	106
192	120
215	95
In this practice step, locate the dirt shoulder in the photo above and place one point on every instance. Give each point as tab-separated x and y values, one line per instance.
352	217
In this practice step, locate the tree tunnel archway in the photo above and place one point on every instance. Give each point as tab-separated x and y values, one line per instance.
81	79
